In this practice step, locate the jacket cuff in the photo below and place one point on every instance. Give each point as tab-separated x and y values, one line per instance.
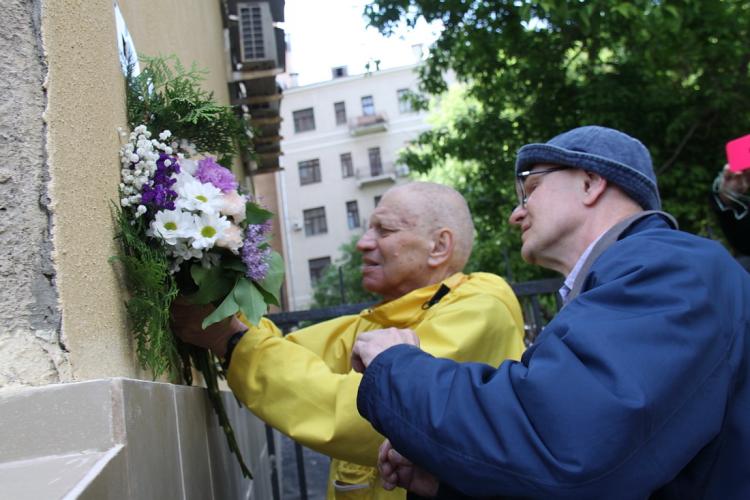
373	380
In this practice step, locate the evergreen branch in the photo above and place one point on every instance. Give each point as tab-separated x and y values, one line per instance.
166	96
152	290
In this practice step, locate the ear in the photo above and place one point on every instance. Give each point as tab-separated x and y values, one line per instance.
594	187
441	247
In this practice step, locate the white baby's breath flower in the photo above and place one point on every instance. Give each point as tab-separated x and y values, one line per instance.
165	135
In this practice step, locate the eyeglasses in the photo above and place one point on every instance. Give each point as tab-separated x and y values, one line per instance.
524	191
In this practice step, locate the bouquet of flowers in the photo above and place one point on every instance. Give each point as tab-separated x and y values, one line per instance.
186	227
194	211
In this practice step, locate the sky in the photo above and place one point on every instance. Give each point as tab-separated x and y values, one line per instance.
323	34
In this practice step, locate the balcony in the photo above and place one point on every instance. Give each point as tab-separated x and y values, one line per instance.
388	174
368	124
256	52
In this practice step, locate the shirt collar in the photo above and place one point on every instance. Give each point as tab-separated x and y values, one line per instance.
571	278
407	310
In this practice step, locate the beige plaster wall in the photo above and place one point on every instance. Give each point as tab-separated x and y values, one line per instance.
189	29
86	104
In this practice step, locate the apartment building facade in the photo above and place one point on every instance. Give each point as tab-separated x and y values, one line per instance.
341	140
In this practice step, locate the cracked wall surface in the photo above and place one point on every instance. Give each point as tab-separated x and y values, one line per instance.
31	348
62	314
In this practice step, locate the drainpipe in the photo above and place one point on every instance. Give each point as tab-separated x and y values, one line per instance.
287	247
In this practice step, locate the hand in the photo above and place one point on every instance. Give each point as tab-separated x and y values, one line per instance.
733	183
370	344
186	324
395	470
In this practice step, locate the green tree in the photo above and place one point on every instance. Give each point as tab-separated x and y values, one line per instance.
327	292
674	74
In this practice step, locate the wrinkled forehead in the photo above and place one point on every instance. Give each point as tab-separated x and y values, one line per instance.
400	207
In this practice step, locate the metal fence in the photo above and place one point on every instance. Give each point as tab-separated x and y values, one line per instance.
539	301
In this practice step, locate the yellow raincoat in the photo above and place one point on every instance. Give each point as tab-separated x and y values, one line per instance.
303	384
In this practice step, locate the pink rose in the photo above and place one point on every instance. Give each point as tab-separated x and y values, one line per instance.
234	206
231	238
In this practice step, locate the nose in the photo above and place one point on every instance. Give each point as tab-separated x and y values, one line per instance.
517	215
366	241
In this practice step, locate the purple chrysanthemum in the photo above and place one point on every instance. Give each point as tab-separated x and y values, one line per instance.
255	251
221	177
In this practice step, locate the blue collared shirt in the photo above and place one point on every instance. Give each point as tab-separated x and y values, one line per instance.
571	278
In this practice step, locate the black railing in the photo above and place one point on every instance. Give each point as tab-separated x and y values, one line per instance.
539	302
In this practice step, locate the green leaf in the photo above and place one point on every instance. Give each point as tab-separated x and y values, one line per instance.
267	297
275	277
213	283
250	300
227	308
255	214
233	263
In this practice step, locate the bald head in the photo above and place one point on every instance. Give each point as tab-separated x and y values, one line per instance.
431	207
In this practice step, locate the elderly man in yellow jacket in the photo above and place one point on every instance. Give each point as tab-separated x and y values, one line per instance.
417	243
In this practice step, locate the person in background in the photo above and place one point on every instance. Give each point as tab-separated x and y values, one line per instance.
640	385
418	241
731	201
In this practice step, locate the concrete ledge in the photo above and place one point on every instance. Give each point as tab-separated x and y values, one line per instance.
122	438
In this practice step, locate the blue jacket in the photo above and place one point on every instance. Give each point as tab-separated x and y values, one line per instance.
638	387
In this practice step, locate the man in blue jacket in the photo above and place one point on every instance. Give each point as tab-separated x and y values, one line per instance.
639	386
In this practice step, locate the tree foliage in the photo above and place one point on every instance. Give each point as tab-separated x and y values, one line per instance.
673	74
328	290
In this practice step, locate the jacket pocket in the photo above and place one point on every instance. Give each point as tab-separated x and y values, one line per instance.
352	481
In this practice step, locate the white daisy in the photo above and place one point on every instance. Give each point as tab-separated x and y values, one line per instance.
208	228
194	195
171	225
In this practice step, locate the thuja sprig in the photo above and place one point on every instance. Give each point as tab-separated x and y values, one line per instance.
167	96
152	290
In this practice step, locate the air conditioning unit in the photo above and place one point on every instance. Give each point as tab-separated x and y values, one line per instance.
297	226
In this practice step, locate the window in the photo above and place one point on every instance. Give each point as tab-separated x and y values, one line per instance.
376	166
377	200
318	268
352	214
368	105
251	32
339	72
347	169
304	120
315	221
340	109
309	171
404	104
